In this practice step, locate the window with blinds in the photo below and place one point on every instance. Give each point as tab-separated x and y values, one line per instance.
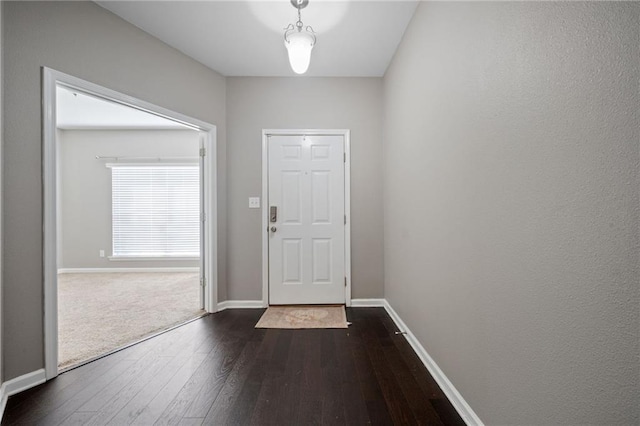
155	210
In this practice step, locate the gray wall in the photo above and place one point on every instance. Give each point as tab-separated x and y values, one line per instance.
1	171
84	40
85	190
254	104
511	204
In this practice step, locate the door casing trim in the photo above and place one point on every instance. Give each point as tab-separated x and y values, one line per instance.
50	78
346	133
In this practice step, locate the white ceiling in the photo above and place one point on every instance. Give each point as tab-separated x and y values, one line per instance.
76	110
245	38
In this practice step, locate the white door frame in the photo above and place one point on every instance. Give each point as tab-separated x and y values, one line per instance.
51	78
265	201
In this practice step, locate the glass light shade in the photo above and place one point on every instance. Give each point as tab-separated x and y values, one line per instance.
299	45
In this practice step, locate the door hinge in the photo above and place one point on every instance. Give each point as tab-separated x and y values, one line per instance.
203	152
345	219
345	281
344	157
203	281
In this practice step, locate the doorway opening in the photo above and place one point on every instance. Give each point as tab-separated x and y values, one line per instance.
129	220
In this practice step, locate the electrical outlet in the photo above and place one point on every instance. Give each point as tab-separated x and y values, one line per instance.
101	253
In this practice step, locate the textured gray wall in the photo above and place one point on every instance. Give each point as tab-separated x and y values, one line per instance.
511	204
85	195
1	172
254	104
84	40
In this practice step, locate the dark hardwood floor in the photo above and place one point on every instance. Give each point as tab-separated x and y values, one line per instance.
220	370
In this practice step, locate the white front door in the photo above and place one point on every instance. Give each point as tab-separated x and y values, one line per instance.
306	219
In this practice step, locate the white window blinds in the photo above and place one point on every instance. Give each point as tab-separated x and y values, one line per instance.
156	210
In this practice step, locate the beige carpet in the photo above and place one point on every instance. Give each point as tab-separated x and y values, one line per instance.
303	317
98	313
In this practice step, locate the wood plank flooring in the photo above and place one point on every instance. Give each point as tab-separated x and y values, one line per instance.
220	370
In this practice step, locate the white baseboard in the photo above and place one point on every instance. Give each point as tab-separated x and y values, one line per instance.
19	384
367	303
240	304
458	402
115	270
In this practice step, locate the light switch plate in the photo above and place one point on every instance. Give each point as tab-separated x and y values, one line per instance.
254	202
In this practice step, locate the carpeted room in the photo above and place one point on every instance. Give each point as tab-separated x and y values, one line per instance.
128	229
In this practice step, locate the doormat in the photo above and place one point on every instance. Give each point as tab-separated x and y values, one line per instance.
297	317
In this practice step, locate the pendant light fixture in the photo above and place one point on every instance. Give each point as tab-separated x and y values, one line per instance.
298	42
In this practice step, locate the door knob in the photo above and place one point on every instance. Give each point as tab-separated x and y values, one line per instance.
273	229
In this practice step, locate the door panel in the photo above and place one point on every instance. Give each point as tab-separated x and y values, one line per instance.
306	242
292	261
321	197
321	261
291	197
